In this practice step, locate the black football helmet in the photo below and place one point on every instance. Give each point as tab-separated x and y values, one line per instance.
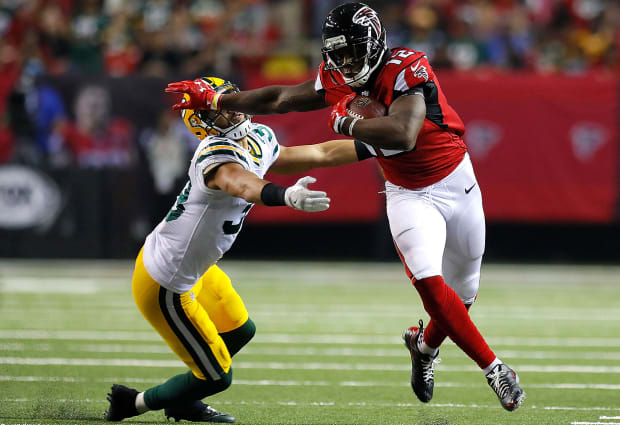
354	42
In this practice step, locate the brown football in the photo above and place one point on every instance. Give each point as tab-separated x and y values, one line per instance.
365	107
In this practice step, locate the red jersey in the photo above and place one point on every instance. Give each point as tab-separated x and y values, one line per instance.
439	147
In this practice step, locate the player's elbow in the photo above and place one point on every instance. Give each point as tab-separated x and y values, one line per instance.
237	188
246	191
404	140
283	105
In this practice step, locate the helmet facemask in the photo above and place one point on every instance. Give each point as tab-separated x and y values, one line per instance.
354	43
233	125
355	60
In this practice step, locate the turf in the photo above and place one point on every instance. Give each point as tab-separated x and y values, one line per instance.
327	350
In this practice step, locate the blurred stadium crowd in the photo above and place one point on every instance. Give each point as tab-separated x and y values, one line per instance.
277	39
164	37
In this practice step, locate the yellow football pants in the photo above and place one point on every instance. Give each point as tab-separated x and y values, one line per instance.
190	323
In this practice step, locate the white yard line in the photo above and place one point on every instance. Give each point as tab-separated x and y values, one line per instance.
595	423
301	351
58	361
305	383
329	403
523	273
56	285
302	316
284	338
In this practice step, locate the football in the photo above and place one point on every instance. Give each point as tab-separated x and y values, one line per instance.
365	107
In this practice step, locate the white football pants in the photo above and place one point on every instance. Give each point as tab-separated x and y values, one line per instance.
440	229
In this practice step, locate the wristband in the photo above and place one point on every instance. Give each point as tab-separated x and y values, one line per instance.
338	123
351	126
215	102
272	195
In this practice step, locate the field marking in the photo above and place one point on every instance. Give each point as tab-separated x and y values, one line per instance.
580	408
302	351
302	316
123	301
58	361
286	338
595	423
333	404
47	285
304	383
250	271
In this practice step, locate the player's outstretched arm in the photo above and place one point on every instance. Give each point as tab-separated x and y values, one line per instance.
235	180
397	130
298	159
276	99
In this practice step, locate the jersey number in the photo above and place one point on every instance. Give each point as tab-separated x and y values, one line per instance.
229	228
178	207
400	54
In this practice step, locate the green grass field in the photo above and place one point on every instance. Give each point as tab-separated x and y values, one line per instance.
327	349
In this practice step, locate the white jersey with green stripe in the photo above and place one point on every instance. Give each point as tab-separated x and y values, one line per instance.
204	222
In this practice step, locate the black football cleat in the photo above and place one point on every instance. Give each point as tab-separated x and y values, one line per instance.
505	383
198	412
422	365
122	403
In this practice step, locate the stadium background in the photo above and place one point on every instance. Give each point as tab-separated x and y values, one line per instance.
91	157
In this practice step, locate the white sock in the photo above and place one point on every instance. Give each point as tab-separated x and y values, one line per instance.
141	406
425	348
490	367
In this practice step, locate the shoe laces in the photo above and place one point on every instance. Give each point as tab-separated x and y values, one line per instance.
210	410
428	367
502	382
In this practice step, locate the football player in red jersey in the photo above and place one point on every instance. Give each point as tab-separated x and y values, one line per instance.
434	204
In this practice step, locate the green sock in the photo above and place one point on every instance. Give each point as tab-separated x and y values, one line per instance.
237	338
183	389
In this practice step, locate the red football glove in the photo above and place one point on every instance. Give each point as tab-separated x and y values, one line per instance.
339	114
201	95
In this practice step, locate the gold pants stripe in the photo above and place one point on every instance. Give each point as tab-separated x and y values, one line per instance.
190	323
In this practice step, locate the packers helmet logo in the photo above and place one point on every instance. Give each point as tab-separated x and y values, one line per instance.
219	85
194	123
198	122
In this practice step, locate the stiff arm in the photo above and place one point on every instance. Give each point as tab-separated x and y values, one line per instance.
276	99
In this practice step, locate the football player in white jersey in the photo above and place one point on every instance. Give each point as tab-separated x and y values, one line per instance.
177	286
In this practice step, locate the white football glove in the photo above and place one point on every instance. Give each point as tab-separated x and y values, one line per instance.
300	197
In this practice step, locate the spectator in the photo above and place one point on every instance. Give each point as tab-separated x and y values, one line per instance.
95	139
163	37
167	148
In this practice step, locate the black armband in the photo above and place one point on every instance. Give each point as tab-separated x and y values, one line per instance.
362	151
272	195
419	90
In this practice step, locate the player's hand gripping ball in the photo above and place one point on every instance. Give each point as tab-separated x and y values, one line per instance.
356	107
364	107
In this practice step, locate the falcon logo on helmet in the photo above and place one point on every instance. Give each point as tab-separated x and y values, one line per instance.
366	16
354	43
203	123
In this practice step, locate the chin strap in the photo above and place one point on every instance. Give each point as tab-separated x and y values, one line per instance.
366	72
238	131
